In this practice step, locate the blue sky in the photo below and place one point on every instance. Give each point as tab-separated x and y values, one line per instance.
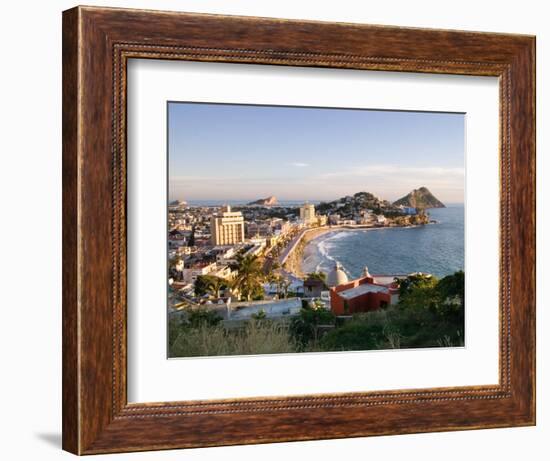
242	152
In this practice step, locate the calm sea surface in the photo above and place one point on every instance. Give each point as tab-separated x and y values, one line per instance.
435	248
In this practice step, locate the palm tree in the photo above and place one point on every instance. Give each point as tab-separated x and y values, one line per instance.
216	285
273	279
210	284
249	278
275	266
281	283
321	276
284	286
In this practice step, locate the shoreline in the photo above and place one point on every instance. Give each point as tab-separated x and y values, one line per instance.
295	259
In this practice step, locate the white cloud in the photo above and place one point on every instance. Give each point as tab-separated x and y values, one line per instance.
395	170
299	164
387	181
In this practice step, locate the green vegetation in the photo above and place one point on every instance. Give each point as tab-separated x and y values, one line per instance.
281	284
249	279
347	206
321	276
394	328
256	337
210	285
307	327
430	313
419	198
443	297
247	285
202	318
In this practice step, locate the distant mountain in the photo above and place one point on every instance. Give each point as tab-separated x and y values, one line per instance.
419	198
177	203
269	201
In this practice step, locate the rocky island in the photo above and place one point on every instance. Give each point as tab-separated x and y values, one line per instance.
269	201
419	198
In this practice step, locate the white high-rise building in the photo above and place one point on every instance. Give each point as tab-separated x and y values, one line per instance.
227	227
307	213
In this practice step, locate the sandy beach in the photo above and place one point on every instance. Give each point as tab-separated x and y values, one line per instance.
295	260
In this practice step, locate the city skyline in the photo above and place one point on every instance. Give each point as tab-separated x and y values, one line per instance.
245	152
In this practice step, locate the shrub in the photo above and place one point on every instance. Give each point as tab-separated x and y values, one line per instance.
446	296
175	326
256	337
304	328
260	315
354	336
200	317
395	328
210	285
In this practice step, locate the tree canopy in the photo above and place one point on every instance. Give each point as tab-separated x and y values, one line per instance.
249	278
210	285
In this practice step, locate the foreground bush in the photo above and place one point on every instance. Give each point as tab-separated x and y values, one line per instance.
395	328
257	337
306	327
354	336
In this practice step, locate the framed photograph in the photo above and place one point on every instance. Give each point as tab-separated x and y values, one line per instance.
282	230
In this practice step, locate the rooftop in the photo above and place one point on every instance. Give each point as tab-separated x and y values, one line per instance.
361	290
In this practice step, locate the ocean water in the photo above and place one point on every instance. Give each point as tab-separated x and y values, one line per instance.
434	248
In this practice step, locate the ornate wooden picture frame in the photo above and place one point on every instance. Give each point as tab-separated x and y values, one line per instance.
97	44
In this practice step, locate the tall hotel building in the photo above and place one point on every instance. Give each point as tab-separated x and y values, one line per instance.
307	213
227	227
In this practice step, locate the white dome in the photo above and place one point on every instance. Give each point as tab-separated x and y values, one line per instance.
337	276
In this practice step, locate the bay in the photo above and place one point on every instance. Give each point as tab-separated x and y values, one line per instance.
437	248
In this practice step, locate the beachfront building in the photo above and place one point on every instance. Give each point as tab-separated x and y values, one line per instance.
407	210
334	219
367	293
381	219
227	227
307	213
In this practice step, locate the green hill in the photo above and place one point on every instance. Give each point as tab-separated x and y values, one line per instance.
420	198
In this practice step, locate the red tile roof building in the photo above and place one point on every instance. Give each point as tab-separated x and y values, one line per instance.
367	293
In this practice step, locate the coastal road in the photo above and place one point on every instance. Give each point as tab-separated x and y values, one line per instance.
296	240
291	246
